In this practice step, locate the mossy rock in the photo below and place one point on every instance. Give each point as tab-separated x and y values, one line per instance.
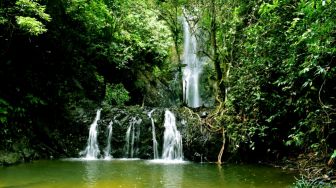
9	158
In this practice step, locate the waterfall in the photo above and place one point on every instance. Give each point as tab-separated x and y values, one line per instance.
193	68
172	143
92	150
107	150
155	144
132	137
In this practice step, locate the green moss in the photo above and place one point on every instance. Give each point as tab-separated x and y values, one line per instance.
9	158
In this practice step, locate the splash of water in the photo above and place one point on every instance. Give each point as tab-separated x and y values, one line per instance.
155	143
91	151
172	143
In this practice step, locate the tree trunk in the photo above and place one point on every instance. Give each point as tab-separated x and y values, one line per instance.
220	155
216	60
176	36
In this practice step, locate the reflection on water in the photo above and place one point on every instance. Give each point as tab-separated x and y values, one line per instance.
220	171
139	173
90	175
167	173
172	176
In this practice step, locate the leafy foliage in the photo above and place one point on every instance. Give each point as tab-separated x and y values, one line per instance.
29	16
304	183
5	107
277	64
116	94
334	154
273	64
280	81
30	25
59	56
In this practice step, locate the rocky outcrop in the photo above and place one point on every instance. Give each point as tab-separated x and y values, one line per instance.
67	140
199	144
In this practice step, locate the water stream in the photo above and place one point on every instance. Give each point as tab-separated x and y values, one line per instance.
91	151
107	150
193	67
155	143
132	137
172	140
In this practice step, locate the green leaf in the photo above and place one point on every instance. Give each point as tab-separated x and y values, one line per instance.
33	8
35	100
116	94
334	154
31	25
2	20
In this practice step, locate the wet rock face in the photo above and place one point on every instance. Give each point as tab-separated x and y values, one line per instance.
18	151
198	143
134	120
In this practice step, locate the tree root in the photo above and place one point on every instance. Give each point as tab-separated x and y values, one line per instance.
208	121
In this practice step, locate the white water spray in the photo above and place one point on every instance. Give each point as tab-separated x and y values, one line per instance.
155	143
92	149
107	150
193	69
172	144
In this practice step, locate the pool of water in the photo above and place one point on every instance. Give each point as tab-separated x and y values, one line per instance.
139	174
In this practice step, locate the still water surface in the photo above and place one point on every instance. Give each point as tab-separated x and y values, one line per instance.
139	174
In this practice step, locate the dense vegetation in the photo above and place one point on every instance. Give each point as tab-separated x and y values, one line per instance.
277	60
281	82
273	63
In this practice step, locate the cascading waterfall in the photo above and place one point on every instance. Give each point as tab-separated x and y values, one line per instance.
193	68
92	150
132	137
107	150
172	143
155	144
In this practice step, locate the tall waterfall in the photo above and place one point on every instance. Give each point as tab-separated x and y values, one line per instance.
172	143
193	68
155	144
92	150
107	150
132	137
